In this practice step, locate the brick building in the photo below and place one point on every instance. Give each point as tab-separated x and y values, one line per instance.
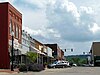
62	54
57	53
10	20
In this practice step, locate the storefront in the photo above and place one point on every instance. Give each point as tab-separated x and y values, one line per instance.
96	60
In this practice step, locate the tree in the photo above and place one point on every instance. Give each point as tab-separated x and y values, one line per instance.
76	60
32	56
83	61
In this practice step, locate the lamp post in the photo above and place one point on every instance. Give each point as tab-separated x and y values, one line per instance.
12	57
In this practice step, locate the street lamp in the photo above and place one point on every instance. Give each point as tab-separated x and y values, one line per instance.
12	57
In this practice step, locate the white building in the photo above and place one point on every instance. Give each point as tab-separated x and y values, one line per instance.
25	42
49	52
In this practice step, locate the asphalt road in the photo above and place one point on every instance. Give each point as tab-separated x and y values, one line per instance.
64	71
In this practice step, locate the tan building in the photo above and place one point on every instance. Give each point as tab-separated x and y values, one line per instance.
95	53
95	48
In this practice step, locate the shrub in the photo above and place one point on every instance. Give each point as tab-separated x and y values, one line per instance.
23	68
35	67
45	64
32	56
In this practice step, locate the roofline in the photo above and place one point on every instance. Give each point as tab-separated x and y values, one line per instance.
11	6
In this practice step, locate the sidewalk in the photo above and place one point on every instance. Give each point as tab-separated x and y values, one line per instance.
17	72
8	71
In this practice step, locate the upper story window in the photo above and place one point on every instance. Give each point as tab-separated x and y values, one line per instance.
10	12
10	26
16	31
19	33
14	27
23	34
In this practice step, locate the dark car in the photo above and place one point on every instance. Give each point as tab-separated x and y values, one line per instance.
59	64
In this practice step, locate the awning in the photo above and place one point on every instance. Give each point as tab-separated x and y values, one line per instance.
38	51
42	53
51	56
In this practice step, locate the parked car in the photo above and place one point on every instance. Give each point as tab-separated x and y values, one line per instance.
87	65
75	65
59	64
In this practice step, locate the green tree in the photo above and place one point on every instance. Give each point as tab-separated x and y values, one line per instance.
83	61
76	60
32	56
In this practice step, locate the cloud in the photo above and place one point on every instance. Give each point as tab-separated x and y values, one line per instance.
62	22
11	1
87	10
36	23
95	28
39	3
59	19
3	0
71	23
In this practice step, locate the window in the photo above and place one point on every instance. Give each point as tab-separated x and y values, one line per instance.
23	40
10	12
16	31
10	26
62	62
19	34
14	28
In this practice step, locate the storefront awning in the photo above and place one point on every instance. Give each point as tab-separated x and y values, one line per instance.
38	51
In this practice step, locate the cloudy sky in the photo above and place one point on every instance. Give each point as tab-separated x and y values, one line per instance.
70	23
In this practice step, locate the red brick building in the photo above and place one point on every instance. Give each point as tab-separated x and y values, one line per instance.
10	20
62	54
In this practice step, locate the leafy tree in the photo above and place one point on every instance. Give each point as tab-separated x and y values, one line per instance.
32	56
76	60
83	61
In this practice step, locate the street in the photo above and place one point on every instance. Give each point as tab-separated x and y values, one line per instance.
63	71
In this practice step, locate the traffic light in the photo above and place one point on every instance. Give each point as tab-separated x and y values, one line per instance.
83	52
71	50
65	50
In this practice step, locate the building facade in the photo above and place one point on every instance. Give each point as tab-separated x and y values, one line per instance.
56	51
41	48
49	55
21	58
95	53
10	20
62	54
25	42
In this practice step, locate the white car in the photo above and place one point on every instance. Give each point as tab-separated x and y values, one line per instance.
74	64
59	64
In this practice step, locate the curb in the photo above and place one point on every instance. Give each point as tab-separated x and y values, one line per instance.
8	71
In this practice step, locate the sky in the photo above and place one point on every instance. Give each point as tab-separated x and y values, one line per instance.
72	24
